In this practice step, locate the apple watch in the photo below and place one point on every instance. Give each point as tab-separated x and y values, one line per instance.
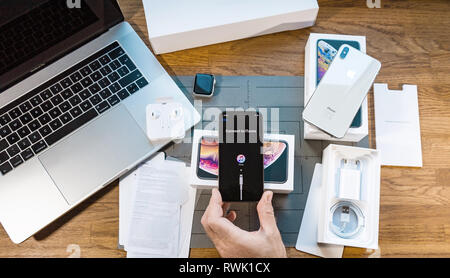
204	85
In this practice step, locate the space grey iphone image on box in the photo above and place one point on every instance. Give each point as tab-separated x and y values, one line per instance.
341	91
241	171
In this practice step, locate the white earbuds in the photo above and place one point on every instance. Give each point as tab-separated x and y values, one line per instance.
165	121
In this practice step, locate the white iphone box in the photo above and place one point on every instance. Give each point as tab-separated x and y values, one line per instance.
320	51
335	103
181	24
278	161
350	204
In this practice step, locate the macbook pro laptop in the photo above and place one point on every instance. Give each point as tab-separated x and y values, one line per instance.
75	80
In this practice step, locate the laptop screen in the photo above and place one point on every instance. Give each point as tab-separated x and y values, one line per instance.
34	33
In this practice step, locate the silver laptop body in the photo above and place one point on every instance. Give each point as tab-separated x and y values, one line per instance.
60	177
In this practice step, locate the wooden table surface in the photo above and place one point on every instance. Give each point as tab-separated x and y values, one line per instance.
412	41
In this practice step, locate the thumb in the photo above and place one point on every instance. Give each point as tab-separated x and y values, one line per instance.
265	212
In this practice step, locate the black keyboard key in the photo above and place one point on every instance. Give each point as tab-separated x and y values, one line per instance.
45	95
27	154
45	130
116	53
55	124
125	60
16	161
85	94
5	131
113	100
3	157
44	119
75	100
105	93
94	89
86	82
123	71
104	82
55	89
23	132
36	112
130	78
72	126
86	105
65	118
46	106
24	143
65	106
75	112
3	145
115	65
5	168
5	119
76	88
16	124
56	100
132	88
123	94
95	99
105	60
66	94
95	65
39	147
25	107
75	77
15	113
13	150
102	107
86	71
55	112
113	77
66	82
34	125
142	82
96	76
114	88
34	137
105	70
13	138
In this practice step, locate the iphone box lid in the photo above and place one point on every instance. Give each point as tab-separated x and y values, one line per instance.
354	134
284	151
181	24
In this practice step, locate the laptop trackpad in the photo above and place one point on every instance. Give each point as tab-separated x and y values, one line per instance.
95	154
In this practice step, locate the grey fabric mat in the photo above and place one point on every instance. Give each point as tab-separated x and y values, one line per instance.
285	93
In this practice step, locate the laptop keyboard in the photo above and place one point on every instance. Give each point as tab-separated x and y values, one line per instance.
42	117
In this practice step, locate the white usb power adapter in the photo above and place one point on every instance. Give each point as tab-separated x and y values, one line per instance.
350	180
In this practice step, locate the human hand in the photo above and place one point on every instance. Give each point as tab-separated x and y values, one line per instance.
231	241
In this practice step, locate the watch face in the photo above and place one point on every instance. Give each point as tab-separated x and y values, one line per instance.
204	84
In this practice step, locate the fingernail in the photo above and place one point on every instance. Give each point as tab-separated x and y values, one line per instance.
269	197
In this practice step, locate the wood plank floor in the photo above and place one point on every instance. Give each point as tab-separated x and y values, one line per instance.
410	38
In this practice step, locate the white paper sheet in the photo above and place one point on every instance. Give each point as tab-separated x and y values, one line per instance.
307	236
156	210
127	186
397	126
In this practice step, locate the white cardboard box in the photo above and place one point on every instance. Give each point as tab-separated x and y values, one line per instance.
310	131
368	202
181	24
286	187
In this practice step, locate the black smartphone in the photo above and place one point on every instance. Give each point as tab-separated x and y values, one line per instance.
241	171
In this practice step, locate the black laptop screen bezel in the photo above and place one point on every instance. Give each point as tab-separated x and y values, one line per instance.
108	14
